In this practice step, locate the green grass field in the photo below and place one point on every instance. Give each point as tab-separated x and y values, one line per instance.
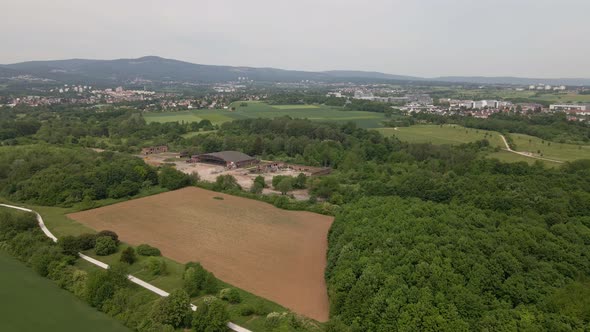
262	110
509	157
29	302
445	134
197	133
215	116
455	134
551	150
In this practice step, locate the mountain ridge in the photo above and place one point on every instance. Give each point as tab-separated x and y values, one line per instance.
162	70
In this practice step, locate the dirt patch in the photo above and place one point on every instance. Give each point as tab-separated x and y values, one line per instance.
273	253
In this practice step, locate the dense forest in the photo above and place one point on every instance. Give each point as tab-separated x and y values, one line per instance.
56	176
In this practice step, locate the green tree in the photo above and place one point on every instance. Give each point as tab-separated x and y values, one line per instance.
105	245
211	317
173	310
172	179
285	186
128	256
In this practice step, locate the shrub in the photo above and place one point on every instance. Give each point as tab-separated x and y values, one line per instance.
147	250
86	241
98	288
155	266
246	311
211	317
105	245
43	257
190	282
69	245
273	320
230	295
210	284
226	182
110	234
128	256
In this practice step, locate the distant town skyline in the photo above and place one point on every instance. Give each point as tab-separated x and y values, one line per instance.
426	38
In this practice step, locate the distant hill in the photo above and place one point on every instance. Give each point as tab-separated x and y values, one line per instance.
162	71
370	75
513	80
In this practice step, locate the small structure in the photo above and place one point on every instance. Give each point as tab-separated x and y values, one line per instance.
229	159
154	149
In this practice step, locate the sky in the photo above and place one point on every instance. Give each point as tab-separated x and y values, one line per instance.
428	38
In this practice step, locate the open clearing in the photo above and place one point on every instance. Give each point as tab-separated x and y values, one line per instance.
277	254
256	110
551	150
445	134
32	303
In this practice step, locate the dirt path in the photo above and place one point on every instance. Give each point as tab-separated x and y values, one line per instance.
526	154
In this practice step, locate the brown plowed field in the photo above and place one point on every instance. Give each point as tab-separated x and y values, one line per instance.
273	253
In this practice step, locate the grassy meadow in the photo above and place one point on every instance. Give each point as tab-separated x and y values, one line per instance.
442	134
455	134
551	150
256	110
33	303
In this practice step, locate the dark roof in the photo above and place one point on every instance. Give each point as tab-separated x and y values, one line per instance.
228	156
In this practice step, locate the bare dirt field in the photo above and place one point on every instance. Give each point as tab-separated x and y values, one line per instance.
273	253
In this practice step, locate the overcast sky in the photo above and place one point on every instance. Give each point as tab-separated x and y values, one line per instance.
533	38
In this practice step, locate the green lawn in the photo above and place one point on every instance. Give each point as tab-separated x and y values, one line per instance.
445	134
509	157
262	110
215	116
29	302
197	133
551	150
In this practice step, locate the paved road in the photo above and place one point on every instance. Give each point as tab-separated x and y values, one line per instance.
105	266
526	154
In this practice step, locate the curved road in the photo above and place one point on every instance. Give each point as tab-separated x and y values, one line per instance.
525	154
100	264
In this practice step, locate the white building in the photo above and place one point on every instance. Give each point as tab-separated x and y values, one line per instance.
569	107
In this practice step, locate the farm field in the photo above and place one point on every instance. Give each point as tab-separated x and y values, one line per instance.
256	110
446	134
56	220
551	150
277	254
33	303
215	116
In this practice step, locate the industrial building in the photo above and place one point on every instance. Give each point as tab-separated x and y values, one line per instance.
229	159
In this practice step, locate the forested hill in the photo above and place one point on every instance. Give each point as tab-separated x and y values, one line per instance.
159	70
